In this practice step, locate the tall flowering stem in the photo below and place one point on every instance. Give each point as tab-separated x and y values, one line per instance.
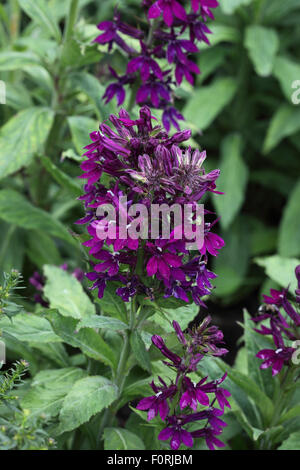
163	55
279	318
177	403
132	166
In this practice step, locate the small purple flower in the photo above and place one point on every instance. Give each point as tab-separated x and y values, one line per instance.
192	395
158	403
209	434
145	64
170	117
169	8
176	433
275	359
116	89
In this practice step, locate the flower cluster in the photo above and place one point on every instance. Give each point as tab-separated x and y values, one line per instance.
38	281
283	327
163	57
142	166
177	403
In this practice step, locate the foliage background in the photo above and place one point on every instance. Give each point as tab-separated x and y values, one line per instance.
240	111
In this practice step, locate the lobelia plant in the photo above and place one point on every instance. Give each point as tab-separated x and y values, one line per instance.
159	59
144	165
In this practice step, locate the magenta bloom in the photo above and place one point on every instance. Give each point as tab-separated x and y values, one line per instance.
176	433
209	434
158	403
275	359
169	8
212	243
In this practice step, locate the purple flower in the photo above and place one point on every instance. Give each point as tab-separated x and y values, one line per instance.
117	88
275	359
158	403
221	393
209	434
192	395
145	64
169	8
176	433
170	117
111	30
161	260
153	91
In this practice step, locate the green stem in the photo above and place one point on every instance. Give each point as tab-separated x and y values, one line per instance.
71	19
120	376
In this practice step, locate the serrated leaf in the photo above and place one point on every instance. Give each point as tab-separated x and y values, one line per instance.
15	209
121	439
262	44
232	180
289	230
280	270
208	102
139	350
65	293
100	321
46	397
29	328
22	137
39	12
87	397
90	342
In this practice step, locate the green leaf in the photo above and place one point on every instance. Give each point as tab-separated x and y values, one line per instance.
232	180
139	350
49	390
76	55
286	71
64	180
13	60
229	6
222	33
121	439
100	321
65	293
291	443
81	127
91	86
29	328
262	44
233	260
12	247
41	249
284	123
137	389
87	397
277	9
15	209
289	230
86	339
208	102
22	137
112	303
17	97
245	383
280	270
183	315
290	414
39	12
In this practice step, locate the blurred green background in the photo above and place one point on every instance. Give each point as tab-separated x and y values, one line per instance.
243	110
